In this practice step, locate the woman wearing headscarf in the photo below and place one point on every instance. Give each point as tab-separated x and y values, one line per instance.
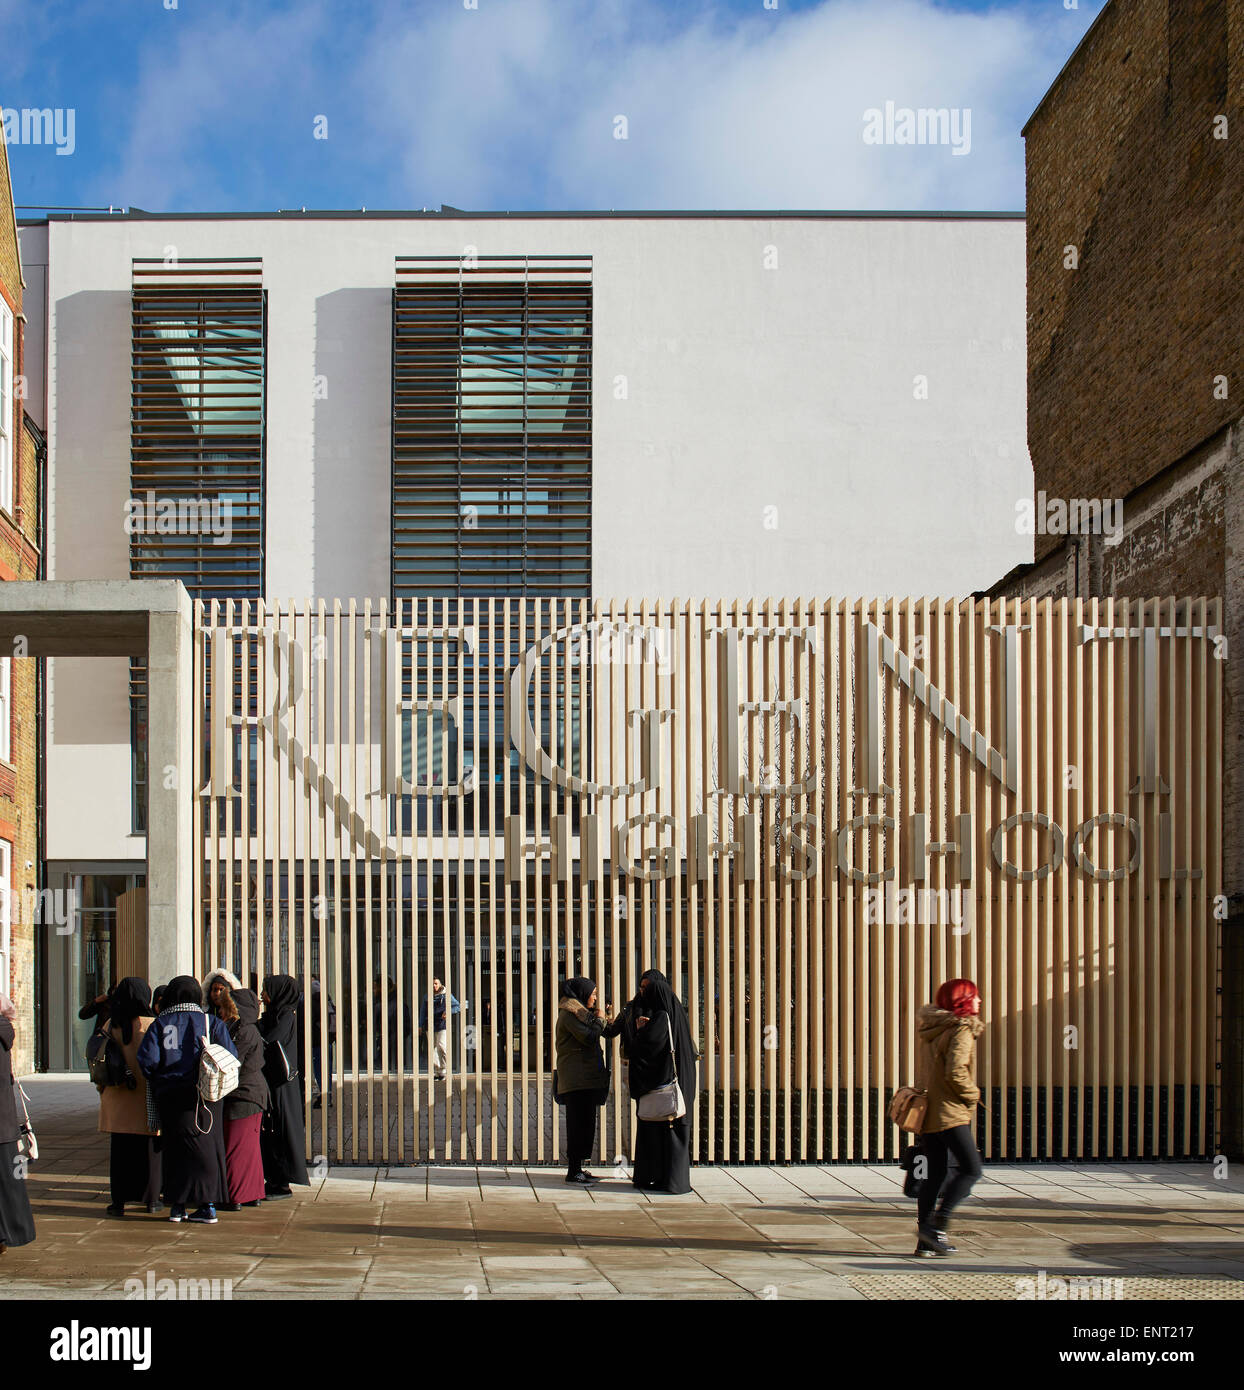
662	1147
238	1010
582	1081
282	1134
948	1029
134	1165
17	1222
192	1138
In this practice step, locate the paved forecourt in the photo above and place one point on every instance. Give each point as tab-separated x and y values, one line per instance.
845	1232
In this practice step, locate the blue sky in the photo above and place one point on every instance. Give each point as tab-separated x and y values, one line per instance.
214	105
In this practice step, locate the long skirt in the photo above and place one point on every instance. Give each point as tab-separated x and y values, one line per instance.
17	1222
284	1147
194	1162
663	1155
134	1170
244	1158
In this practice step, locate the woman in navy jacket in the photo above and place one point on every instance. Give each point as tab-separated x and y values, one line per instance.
192	1130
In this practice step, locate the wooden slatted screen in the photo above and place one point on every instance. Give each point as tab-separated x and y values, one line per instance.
1033	789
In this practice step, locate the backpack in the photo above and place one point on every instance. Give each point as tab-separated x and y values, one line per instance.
218	1067
106	1062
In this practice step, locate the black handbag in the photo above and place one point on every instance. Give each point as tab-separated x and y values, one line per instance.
907	1162
106	1062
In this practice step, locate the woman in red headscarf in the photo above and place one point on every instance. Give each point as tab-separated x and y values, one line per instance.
948	1029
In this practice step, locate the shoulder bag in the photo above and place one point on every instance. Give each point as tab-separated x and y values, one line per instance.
666	1102
910	1104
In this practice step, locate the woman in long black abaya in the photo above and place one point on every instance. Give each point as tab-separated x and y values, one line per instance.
662	1147
282	1136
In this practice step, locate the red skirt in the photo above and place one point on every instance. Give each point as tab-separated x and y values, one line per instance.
244	1159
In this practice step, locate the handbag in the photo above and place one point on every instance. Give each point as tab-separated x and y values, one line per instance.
908	1108
666	1102
910	1104
106	1062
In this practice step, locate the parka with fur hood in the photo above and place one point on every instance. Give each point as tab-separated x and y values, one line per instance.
948	1047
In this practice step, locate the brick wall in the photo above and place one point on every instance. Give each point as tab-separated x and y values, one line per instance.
19	560
1136	353
1122	164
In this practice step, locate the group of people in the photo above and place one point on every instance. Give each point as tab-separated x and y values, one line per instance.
171	1146
658	1050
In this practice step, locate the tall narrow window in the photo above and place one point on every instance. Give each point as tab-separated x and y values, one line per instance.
492	426
197	443
8	410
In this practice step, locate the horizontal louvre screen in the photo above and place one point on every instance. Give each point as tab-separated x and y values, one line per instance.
492	421
197	427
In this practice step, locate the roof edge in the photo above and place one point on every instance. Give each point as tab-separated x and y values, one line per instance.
1062	72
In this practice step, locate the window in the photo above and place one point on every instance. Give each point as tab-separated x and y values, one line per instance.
8	427
6	709
492	427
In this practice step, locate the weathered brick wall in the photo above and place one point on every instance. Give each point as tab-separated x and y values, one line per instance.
19	560
1122	164
1136	355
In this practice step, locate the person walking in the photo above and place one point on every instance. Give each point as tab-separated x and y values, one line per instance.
662	1147
17	1222
281	1135
134	1167
948	1029
192	1139
443	1004
245	1106
582	1079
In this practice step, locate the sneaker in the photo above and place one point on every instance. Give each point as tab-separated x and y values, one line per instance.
582	1179
177	1214
274	1194
204	1216
258	1202
116	1211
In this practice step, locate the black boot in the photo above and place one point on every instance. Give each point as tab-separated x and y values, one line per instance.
940	1221
928	1242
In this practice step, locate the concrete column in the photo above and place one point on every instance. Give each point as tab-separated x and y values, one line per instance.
170	790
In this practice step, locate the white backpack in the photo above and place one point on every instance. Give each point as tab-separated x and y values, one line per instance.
218	1067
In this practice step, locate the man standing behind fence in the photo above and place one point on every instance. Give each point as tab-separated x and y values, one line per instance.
443	1004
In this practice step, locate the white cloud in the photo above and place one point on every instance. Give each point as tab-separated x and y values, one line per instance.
513	105
766	111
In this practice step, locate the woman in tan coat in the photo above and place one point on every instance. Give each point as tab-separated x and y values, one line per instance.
948	1030
134	1170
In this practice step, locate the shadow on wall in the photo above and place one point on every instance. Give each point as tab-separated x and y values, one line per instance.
351	445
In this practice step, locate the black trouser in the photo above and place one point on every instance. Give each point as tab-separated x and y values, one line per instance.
944	1147
580	1111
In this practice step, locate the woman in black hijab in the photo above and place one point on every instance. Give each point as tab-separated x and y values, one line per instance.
134	1166
662	1147
282	1135
192	1143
